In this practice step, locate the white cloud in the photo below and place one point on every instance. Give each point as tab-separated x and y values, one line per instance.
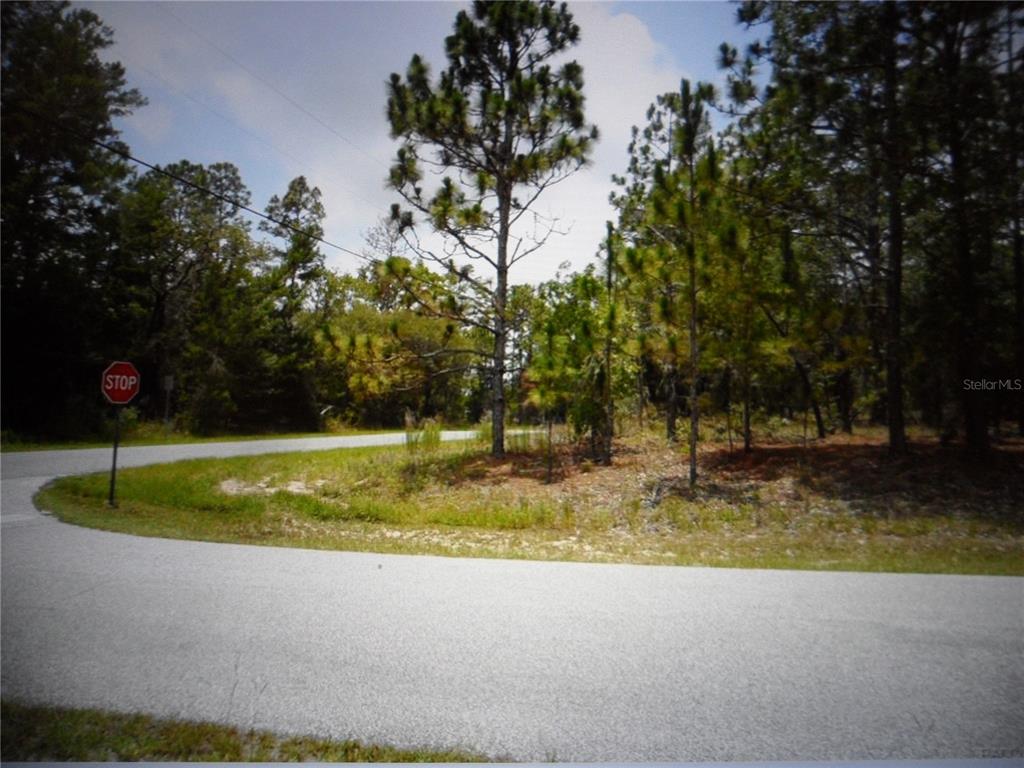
334	59
624	69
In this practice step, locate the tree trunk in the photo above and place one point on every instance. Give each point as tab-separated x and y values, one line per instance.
694	361
606	393
872	378
844	394
691	258
672	410
894	282
504	189
1018	297
970	342
747	438
498	392
640	398
811	398
1013	119
728	406
551	457
500	330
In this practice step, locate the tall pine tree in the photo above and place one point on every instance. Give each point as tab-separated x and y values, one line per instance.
509	124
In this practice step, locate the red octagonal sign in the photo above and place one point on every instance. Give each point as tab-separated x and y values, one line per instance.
120	383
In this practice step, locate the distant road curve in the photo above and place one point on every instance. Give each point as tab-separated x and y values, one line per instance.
82	460
529	660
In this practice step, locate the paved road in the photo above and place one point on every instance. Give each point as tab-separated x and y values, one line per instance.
528	660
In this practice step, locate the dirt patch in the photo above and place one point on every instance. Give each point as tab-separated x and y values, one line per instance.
234	487
930	480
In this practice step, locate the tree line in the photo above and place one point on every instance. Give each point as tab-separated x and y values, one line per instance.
849	246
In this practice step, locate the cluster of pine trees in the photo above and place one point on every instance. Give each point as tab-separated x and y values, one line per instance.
851	243
849	246
232	329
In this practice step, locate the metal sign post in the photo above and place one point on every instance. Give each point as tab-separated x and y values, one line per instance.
120	384
113	466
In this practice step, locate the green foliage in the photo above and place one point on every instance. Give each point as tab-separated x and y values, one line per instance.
674	207
506	119
380	360
58	210
849	247
847	163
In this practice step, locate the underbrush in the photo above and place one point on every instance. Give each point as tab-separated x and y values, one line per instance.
833	504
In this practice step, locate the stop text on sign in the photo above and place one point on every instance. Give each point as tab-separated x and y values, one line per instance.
120	383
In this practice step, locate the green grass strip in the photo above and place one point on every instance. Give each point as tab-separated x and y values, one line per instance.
454	500
32	733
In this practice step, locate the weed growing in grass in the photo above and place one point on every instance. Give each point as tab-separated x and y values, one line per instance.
431	435
485	432
422	438
568	516
422	443
522	441
524	515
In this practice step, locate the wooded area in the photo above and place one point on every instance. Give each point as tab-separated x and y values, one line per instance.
849	247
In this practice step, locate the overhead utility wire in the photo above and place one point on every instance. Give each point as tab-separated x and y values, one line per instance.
268	84
199	188
174	89
292	101
223	198
218	195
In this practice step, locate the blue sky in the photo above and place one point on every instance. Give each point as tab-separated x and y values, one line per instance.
283	89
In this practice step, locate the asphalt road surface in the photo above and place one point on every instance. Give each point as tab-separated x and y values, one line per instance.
528	660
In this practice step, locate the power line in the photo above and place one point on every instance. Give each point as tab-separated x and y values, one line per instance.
223	198
297	105
174	89
181	180
269	85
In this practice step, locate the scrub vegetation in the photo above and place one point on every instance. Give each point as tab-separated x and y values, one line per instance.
837	504
845	242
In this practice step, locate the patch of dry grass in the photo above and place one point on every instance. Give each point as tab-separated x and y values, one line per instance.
837	504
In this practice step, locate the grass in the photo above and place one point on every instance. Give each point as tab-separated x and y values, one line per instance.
835	505
89	735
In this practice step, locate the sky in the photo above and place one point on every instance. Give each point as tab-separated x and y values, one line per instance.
283	89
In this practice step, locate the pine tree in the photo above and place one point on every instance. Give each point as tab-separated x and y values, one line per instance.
293	279
957	52
840	88
58	206
671	205
510	125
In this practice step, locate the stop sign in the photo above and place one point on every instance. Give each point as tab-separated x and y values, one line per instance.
120	383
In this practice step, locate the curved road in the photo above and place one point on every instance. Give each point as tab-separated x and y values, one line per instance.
529	660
